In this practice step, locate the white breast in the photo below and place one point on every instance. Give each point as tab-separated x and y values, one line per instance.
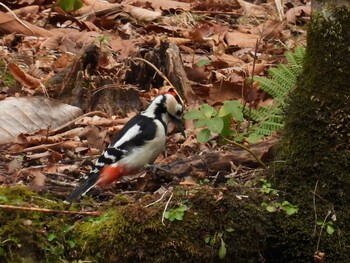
148	153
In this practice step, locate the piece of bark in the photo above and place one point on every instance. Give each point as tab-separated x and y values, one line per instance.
79	85
168	60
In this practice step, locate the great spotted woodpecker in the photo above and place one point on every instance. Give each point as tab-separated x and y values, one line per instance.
137	145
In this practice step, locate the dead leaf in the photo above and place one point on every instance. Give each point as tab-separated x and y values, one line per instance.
296	12
22	77
25	115
252	9
9	24
13	166
241	40
141	13
160	5
38	182
270	29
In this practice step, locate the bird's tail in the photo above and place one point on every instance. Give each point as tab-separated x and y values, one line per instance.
83	188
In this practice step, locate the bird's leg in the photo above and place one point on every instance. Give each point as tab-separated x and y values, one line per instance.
154	167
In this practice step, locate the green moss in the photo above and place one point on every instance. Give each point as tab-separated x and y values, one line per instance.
133	233
316	148
23	234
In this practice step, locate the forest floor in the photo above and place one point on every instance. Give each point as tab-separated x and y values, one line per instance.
86	57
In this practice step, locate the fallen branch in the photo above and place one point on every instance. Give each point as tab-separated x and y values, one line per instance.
44	210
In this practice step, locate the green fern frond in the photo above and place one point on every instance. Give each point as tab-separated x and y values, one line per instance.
280	81
295	59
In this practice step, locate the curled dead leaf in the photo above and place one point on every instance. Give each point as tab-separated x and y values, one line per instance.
22	77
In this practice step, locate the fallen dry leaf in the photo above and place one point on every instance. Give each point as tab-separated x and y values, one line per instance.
141	14
241	40
25	115
22	77
296	12
9	24
160	5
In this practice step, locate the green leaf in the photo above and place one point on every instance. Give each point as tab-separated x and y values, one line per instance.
329	229
222	249
70	5
182	208
203	62
2	251
271	208
194	115
215	125
254	138
3	198
319	222
212	241
229	230
206	240
203	136
51	236
200	123
232	107
179	215
71	243
207	110
291	210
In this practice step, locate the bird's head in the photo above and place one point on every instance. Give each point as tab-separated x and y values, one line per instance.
168	107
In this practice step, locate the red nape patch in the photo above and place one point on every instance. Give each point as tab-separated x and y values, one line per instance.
109	174
171	93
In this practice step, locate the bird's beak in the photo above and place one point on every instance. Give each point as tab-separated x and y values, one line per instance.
179	125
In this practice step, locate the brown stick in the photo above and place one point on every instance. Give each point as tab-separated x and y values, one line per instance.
44	210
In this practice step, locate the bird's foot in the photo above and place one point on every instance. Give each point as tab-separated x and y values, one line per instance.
154	167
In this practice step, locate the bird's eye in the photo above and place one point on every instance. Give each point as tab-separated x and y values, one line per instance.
179	112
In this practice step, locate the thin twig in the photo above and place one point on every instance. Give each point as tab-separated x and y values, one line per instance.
166	207
322	226
45	210
77	119
246	149
314	204
16	17
157	200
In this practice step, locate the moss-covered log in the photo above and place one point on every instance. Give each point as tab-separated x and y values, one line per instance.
128	231
315	172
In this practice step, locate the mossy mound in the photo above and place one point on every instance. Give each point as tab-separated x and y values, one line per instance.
133	233
130	232
23	234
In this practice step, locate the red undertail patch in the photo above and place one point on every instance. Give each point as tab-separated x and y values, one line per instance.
109	174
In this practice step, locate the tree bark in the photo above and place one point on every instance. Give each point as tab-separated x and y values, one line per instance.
315	173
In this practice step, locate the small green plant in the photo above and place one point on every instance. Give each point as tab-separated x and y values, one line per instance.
58	242
288	208
218	238
266	188
218	122
328	226
227	121
279	83
285	206
70	5
176	213
103	40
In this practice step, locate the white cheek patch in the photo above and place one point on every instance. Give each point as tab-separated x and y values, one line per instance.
128	136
